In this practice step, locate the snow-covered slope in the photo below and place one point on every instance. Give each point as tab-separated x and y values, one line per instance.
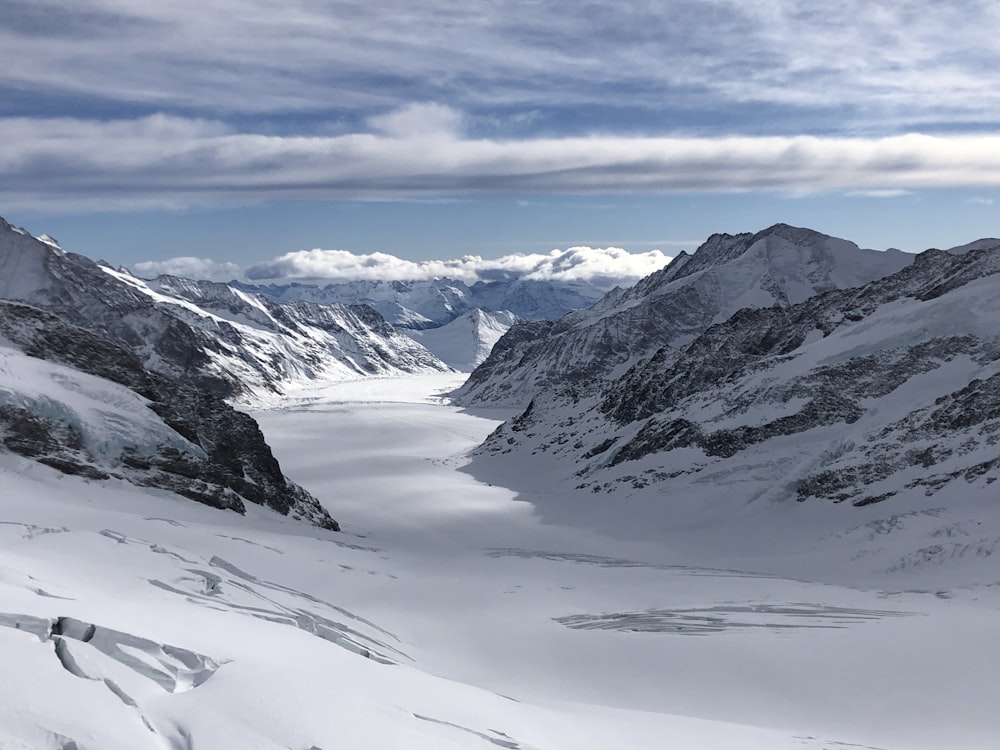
886	393
226	340
79	403
779	266
432	303
468	339
465	619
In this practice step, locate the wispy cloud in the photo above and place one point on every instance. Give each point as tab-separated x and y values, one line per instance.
981	201
603	266
884	193
419	152
190	268
913	61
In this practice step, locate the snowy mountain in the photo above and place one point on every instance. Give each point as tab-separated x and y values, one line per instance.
79	403
226	340
466	341
883	393
433	303
113	377
779	531
779	266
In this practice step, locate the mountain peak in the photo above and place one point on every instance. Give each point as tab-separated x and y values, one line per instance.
780	265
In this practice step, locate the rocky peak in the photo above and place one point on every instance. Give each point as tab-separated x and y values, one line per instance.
781	265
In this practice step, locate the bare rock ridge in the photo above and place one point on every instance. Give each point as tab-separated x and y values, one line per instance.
852	394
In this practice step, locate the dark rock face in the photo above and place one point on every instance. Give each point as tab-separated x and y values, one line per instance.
237	465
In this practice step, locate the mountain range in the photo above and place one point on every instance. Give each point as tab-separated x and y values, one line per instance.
765	369
778	266
430	303
808	367
114	377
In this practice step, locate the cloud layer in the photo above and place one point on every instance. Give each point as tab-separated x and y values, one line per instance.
419	151
604	267
118	104
190	268
918	60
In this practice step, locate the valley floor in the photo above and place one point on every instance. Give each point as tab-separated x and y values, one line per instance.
489	616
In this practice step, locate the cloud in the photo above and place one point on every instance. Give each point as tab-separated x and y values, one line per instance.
915	61
602	266
981	201
179	161
189	268
885	193
420	120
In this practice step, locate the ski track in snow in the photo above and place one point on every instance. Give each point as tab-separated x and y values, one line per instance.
448	615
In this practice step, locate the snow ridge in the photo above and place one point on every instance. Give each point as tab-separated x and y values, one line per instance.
433	303
781	266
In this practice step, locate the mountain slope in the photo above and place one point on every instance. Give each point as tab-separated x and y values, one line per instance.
779	266
888	392
222	339
432	303
467	340
80	403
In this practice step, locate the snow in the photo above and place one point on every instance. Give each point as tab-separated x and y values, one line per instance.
466	341
505	624
107	416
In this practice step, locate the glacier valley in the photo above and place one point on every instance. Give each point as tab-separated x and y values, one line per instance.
451	614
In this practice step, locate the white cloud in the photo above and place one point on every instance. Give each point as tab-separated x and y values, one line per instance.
603	266
178	161
418	121
886	193
981	201
189	268
918	60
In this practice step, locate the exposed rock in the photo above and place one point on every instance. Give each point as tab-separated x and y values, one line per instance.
850	395
234	464
777	267
218	338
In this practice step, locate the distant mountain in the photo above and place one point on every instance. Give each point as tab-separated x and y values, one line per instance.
433	303
779	266
467	340
885	392
225	340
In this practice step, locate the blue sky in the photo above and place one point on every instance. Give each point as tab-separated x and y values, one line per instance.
237	132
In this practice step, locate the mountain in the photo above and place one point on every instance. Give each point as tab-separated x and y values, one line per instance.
882	393
779	266
467	340
80	403
111	376
433	303
224	340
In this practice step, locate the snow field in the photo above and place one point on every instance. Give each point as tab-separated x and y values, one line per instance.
485	623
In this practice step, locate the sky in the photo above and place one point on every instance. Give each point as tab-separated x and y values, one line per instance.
221	135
